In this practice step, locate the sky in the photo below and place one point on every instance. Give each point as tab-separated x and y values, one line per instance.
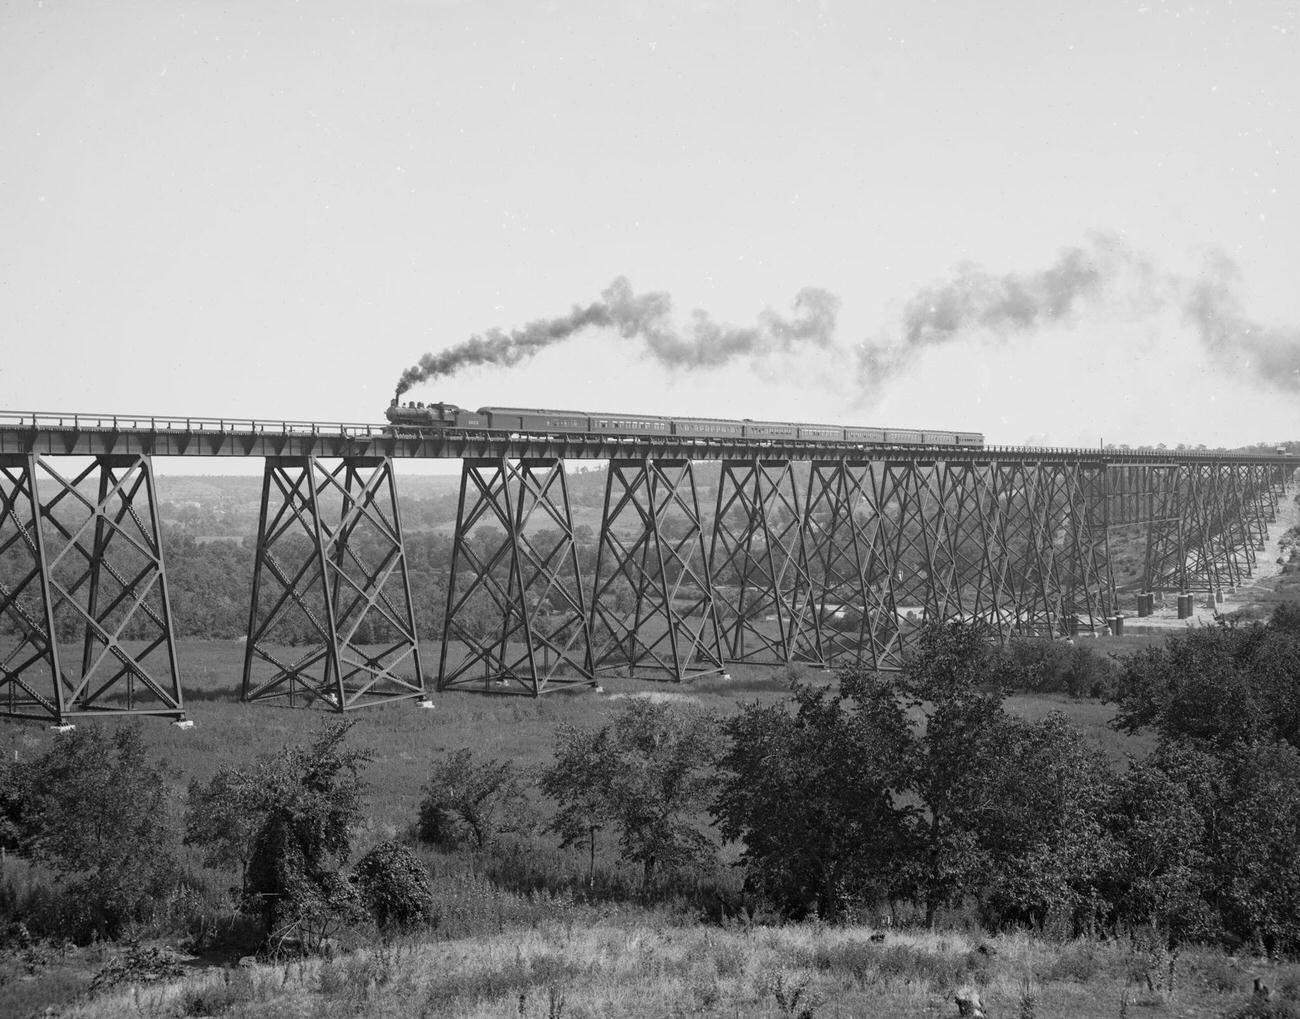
1054	223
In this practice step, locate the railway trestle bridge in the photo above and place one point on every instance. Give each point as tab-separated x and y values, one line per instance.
812	552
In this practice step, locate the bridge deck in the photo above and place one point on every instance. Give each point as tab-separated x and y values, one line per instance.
51	434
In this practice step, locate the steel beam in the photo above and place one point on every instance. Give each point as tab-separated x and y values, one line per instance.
653	610
516	618
759	569
81	565
331	616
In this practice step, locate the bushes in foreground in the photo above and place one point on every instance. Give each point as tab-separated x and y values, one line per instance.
924	791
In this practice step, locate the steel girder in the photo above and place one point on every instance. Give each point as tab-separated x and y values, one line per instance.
331	615
844	560
1019	547
88	572
515	603
1206	524
759	566
653	607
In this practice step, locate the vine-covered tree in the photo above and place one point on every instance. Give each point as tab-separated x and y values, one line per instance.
394	887
296	808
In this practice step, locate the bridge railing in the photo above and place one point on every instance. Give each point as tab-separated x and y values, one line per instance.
165	423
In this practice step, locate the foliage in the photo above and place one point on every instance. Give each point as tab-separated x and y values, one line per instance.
13	801
952	799
1158	877
813	841
94	809
645	775
1286	618
953	662
1055	666
222	820
394	887
138	965
469	798
582	803
300	804
1049	847
1215	686
1257	845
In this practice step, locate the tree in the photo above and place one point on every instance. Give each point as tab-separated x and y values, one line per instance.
812	794
1002	810
646	775
300	805
95	811
1216	686
1257	849
1286	617
580	754
465	796
223	820
394	887
1048	842
1160	873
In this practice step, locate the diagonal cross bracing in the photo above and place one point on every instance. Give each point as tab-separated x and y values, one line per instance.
653	609
516	618
331	614
81	564
759	568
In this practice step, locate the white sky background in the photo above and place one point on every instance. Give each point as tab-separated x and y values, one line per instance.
270	209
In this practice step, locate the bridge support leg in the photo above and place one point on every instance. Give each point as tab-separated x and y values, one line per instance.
759	566
87	570
852	565
1088	589
516	620
331	615
653	608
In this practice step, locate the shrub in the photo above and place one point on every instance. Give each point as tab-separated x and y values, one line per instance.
290	818
394	888
138	965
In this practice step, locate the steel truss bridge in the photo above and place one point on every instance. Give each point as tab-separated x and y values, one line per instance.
810	552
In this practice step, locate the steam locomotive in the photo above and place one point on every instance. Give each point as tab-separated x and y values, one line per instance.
437	417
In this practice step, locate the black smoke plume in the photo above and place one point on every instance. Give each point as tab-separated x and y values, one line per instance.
648	318
997	306
1107	275
1243	346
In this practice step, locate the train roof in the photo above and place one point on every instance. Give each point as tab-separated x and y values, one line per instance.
700	417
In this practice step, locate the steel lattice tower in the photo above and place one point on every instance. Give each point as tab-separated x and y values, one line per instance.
84	571
331	614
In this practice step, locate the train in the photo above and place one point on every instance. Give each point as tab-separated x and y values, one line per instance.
438	417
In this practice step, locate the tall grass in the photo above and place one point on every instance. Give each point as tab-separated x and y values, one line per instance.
641	966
